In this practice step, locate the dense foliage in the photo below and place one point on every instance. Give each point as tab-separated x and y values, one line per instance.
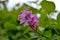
49	28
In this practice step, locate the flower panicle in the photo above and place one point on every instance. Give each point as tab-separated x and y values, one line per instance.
28	19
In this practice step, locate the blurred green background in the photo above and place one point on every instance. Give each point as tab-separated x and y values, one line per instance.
49	28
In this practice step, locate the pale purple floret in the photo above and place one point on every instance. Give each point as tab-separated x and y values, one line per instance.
28	19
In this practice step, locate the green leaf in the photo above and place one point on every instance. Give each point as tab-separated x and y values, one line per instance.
41	29
14	37
2	32
43	20
47	33
48	6
9	26
58	18
42	11
55	37
52	24
58	31
4	38
34	35
26	30
11	18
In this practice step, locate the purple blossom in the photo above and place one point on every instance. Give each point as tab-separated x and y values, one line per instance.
28	19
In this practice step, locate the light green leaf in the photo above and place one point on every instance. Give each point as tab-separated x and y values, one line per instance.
48	6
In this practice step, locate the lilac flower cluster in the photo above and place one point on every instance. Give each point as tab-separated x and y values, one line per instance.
28	19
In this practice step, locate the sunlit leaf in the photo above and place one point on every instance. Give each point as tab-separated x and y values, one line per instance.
48	6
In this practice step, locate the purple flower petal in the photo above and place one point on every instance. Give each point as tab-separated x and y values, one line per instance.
28	19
